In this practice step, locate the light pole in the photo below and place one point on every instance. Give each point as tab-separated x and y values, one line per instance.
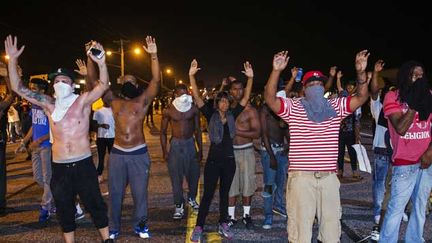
121	41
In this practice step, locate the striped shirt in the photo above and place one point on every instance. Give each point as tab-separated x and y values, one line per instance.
313	146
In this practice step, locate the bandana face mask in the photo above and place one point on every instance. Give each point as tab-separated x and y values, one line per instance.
129	90
183	103
62	90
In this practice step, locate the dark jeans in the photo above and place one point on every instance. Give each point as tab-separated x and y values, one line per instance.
72	179
347	139
103	144
224	170
3	174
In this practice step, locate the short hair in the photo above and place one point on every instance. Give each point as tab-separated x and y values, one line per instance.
234	83
222	95
41	83
180	87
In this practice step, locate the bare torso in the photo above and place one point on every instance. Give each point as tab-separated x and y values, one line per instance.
71	134
182	123
276	127
243	122
129	117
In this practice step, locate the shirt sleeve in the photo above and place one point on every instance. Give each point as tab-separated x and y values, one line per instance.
342	106
237	110
391	104
285	108
207	111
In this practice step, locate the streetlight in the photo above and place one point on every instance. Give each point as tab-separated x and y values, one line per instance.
168	71
121	42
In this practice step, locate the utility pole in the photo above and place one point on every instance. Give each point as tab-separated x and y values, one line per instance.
121	42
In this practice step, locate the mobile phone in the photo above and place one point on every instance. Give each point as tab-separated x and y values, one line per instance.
299	74
96	52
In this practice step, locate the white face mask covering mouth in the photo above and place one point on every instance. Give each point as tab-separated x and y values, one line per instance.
183	103
64	99
62	90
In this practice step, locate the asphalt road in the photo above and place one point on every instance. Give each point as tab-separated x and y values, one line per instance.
20	225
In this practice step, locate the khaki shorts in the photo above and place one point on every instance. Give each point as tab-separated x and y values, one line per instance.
311	194
244	178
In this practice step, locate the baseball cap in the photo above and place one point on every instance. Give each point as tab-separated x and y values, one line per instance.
61	71
314	76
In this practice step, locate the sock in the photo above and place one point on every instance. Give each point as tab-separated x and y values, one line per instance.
231	212
78	209
246	210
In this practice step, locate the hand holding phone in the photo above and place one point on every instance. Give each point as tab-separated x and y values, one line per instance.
95	51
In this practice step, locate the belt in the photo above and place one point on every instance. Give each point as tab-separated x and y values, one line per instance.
316	174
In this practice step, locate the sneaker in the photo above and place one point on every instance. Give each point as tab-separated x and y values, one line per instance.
247	221
196	234
142	230
231	222
79	216
179	211
405	217
225	230
114	234
44	215
377	219
280	212
192	202
53	210
267	223
375	233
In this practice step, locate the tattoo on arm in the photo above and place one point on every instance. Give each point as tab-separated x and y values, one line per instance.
28	94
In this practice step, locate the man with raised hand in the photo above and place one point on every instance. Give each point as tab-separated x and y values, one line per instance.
314	121
182	158
73	171
129	161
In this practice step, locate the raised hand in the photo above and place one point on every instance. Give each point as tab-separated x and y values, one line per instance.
379	65
333	70
280	61
248	71
12	49
82	68
100	61
193	68
339	74
294	72
151	45
361	60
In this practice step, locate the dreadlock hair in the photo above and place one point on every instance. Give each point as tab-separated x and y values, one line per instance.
404	79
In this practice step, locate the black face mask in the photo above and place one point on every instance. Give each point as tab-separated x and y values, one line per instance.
129	90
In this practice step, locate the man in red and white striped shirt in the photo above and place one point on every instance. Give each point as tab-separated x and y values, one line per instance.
313	187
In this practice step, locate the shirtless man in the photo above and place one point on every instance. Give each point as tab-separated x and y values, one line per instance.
274	160
129	162
247	128
73	171
182	158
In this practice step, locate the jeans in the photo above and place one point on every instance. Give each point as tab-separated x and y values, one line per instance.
419	201
408	181
347	139
381	164
276	179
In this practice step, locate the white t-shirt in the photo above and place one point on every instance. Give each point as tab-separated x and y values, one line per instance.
376	108
105	116
13	115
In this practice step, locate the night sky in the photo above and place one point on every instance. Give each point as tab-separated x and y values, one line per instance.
221	35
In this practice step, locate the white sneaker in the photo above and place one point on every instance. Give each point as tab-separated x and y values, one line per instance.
405	217
377	219
375	234
179	211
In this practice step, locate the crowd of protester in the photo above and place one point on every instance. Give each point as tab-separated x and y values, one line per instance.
304	126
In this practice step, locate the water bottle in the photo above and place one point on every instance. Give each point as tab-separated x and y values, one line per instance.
299	74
